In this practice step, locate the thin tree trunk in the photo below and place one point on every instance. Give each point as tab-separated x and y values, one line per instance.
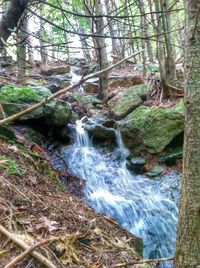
188	240
43	51
102	52
144	34
111	28
21	51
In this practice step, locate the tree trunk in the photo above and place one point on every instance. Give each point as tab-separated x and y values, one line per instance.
43	50
21	51
10	19
164	48
102	55
111	28
188	240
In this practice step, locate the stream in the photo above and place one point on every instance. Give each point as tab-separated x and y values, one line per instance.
146	207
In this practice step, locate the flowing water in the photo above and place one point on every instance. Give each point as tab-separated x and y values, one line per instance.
76	78
146	207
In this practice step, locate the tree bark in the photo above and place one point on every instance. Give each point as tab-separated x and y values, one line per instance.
10	19
188	240
102	52
21	51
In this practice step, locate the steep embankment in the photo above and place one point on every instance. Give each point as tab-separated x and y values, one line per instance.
35	206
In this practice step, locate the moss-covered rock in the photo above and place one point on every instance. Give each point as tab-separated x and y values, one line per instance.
125	102
153	127
83	100
15	99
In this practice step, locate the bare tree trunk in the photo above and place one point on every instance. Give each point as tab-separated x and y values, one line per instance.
21	51
43	51
164	46
144	35
111	29
170	57
102	52
188	240
10	19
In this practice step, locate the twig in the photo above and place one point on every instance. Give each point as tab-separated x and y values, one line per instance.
15	188
140	262
29	251
62	91
43	260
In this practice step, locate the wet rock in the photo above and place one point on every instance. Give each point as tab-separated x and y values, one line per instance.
56	70
170	157
136	164
152	127
155	171
127	100
99	131
61	80
15	99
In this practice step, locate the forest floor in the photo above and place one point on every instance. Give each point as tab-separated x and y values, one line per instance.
34	206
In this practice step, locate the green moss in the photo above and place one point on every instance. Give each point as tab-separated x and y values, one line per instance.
129	100
156	126
16	94
9	166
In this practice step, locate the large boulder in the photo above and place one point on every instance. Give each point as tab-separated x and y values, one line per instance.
152	127
15	99
126	101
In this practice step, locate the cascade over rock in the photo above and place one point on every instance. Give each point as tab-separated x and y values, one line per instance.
153	127
15	99
126	101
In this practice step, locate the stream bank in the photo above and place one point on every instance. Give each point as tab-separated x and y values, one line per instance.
35	206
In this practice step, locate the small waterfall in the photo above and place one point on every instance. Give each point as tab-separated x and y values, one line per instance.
82	137
124	152
146	207
76	78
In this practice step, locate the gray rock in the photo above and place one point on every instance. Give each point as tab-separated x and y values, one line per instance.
99	131
136	164
154	128
126	101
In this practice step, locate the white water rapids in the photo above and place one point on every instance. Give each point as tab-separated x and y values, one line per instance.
146	207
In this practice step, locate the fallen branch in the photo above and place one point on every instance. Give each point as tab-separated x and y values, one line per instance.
141	262
62	91
28	250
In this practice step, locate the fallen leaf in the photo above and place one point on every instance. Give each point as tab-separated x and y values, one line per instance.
47	224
